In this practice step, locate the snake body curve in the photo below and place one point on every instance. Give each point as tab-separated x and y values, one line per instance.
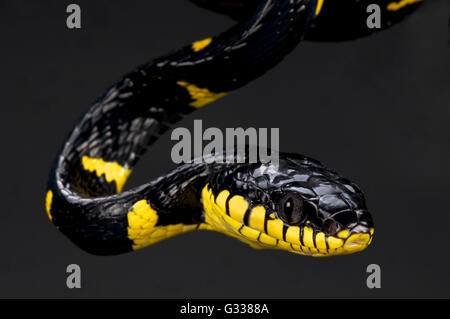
302	206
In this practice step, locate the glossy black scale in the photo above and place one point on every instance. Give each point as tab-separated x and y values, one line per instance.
145	103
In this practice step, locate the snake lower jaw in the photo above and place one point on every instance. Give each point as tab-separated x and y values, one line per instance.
358	241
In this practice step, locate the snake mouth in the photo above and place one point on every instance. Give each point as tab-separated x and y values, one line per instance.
346	241
320	245
264	230
359	238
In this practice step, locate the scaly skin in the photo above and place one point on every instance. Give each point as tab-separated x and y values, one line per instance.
301	206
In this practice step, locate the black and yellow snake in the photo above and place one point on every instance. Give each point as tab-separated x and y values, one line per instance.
302	206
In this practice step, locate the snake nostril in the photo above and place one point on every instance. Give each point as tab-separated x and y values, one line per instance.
331	227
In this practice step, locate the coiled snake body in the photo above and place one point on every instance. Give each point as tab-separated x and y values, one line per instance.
302	206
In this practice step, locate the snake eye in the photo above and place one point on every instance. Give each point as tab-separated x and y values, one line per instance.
290	209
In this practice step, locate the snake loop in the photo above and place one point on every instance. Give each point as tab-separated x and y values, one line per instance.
302	207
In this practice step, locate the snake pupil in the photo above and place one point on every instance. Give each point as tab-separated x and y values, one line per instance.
288	206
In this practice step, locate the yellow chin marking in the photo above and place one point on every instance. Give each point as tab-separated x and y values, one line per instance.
267	240
308	239
356	242
395	6
200	45
334	243
250	233
311	243
238	206
343	234
142	229
112	171
48	204
275	229
222	199
321	242
257	218
293	235
200	96
319	6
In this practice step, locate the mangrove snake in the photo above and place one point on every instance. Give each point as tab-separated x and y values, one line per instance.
301	206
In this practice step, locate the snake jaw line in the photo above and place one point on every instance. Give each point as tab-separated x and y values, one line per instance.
302	239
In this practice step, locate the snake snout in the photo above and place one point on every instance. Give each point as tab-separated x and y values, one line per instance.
364	218
357	242
361	235
364	224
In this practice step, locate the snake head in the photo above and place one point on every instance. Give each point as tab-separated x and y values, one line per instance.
300	206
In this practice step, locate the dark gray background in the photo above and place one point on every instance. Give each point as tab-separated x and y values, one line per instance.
375	110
